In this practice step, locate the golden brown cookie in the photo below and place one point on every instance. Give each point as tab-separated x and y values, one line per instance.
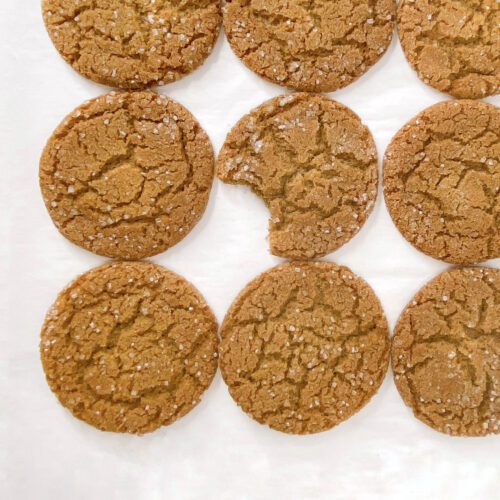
313	163
316	46
446	352
453	45
133	44
127	175
129	347
442	181
304	347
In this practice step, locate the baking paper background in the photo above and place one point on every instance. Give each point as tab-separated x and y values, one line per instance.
217	451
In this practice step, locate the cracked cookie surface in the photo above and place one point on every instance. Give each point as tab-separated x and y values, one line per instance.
133	44
313	163
127	175
446	352
311	45
453	45
304	347
129	347
442	181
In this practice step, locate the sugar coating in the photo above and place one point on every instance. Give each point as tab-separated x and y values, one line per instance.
442	181
313	163
315	46
446	352
304	347
127	175
453	45
133	44
129	347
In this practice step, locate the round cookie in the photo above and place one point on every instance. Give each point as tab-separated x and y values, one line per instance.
454	46
129	347
313	163
133	44
304	347
317	46
442	181
446	352
127	175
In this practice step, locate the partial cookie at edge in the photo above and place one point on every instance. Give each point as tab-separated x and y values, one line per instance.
316	47
446	352
453	46
441	181
133	45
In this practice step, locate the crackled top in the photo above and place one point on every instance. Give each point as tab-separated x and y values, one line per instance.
304	347
133	44
446	352
453	45
313	163
442	181
127	175
317	46
129	347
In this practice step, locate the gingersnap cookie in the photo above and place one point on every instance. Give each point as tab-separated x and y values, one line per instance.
446	352
304	347
313	163
133	44
318	46
129	347
454	46
127	175
442	181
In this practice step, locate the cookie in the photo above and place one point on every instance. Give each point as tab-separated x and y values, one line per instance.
304	347
129	347
446	352
313	163
454	46
133	44
127	175
316	46
442	181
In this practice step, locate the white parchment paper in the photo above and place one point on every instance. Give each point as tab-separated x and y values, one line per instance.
216	452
